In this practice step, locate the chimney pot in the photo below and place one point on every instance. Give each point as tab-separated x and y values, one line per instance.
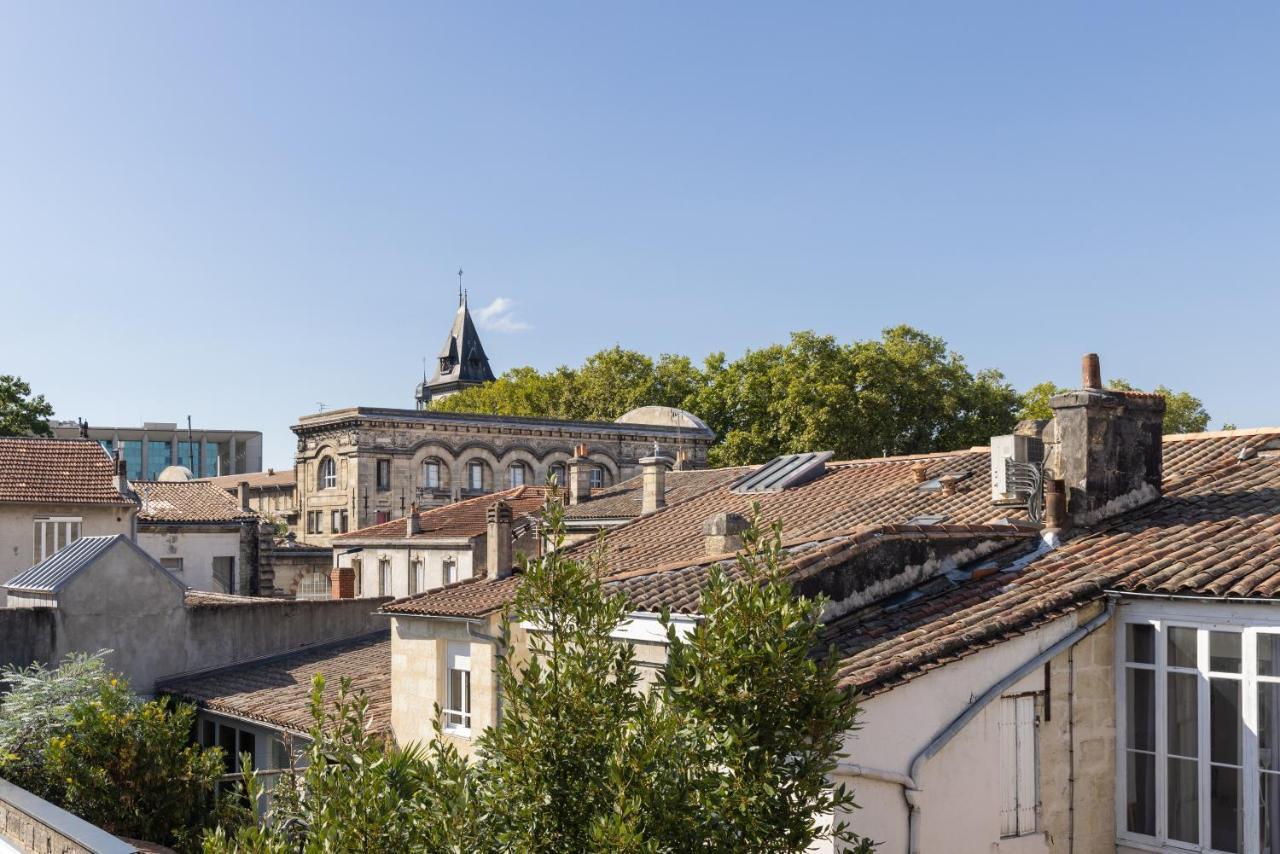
722	533
242	489
498	539
1090	371
412	524
1055	506
122	474
920	471
270	471
948	483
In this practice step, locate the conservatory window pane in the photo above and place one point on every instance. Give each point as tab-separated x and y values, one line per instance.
1224	652
1141	803
1141	646
1142	709
1224	721
1182	715
1184	807
1182	646
1268	725
1268	654
1224	808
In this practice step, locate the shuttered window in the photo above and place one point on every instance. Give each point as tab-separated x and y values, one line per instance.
1019	764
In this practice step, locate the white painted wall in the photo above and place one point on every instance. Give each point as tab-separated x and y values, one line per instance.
401	557
17	530
962	785
197	551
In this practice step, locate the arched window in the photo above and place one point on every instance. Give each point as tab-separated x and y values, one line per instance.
557	471
516	474
475	476
314	585
328	473
431	474
597	477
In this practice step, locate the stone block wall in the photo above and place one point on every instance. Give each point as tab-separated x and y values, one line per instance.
1077	746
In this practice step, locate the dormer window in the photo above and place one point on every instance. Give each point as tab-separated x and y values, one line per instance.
446	364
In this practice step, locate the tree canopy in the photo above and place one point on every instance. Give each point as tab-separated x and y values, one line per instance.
20	413
1183	413
904	392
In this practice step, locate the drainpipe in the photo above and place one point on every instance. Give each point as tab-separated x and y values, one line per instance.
910	782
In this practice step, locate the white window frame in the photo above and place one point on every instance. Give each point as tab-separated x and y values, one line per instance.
431	474
384	576
1249	621
457	710
417	576
304	593
328	476
596	477
449	569
516	474
58	531
173	564
473	468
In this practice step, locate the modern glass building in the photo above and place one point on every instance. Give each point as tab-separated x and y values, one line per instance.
149	449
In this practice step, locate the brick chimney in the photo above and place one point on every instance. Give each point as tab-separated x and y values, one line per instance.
342	582
1105	446
412	524
653	472
242	490
722	533
498	539
579	470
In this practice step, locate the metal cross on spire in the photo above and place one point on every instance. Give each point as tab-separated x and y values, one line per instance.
460	297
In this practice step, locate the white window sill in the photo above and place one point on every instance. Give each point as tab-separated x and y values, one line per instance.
458	731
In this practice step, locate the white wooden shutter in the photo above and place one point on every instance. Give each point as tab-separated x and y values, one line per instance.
1018	771
1008	766
1027	764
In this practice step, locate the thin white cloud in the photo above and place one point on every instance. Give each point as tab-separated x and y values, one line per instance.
499	316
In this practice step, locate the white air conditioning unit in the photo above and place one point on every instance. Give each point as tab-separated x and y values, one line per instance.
1020	449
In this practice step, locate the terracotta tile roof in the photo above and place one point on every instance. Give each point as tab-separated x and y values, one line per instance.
285	478
461	519
471	597
622	501
680	588
1214	533
187	501
57	471
276	690
667	548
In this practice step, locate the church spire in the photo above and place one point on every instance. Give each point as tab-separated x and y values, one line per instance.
462	361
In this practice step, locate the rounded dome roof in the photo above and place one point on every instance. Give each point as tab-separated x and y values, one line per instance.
172	474
663	416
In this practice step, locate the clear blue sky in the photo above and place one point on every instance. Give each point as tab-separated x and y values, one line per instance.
238	210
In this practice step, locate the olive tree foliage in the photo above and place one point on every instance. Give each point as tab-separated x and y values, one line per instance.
1183	413
21	414
729	750
904	392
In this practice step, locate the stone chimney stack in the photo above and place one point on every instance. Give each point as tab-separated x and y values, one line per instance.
122	474
498	539
654	477
84	429
579	470
412	524
1105	446
723	533
242	490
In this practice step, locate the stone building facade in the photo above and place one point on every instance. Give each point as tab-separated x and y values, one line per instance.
363	466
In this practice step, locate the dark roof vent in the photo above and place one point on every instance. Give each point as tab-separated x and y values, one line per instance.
784	472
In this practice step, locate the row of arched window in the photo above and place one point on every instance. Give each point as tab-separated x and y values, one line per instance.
434	474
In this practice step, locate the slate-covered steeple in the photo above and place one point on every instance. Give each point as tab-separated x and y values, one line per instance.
461	363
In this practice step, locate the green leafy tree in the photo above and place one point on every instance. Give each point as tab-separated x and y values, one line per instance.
1183	413
729	751
358	792
77	736
20	413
